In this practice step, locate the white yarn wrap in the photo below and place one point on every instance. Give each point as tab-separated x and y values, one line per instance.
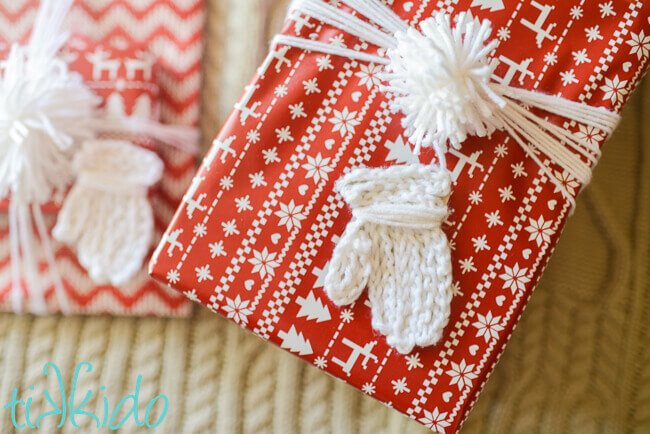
395	247
442	80
46	113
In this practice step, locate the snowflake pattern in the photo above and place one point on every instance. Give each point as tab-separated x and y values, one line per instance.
467	265
580	56
337	41
257	179
506	193
217	249
324	62
283	134
589	134
515	278
480	243
280	91
311	86
550	58
435	420
264	262
614	89
317	167
640	44
400	386
243	204
173	276
192	295
461	374
413	361
493	219
540	230
226	183
237	309
475	197
503	33
253	136
576	12
518	169
290	215
230	228
501	150
270	156
593	33
368	75
200	230
368	388
569	183
606	9
347	315
203	273
488	326
344	121
297	110
568	77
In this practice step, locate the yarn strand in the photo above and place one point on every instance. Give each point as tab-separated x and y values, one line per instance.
456	106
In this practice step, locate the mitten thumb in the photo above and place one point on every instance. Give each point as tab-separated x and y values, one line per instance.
349	268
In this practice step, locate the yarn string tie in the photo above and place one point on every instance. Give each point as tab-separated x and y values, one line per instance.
442	79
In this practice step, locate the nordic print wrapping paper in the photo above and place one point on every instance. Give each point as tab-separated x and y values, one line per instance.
168	91
256	229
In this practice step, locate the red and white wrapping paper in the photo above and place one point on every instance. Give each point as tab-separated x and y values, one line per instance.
132	33
255	231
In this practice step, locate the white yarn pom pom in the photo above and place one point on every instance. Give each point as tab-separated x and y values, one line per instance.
440	80
45	109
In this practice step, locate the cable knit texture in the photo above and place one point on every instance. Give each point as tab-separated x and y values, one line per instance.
395	245
579	361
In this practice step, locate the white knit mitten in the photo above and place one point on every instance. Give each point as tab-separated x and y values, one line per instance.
107	215
395	246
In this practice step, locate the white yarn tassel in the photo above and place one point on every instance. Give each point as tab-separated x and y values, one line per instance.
46	112
440	78
442	81
107	215
395	246
45	109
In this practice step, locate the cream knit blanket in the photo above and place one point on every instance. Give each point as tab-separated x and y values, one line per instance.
578	362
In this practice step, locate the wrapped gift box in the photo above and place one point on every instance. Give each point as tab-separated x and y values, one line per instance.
253	236
143	61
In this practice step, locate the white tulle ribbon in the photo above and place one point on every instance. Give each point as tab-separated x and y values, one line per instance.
46	112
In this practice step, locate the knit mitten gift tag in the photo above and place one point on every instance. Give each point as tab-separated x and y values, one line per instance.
106	146
384	196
